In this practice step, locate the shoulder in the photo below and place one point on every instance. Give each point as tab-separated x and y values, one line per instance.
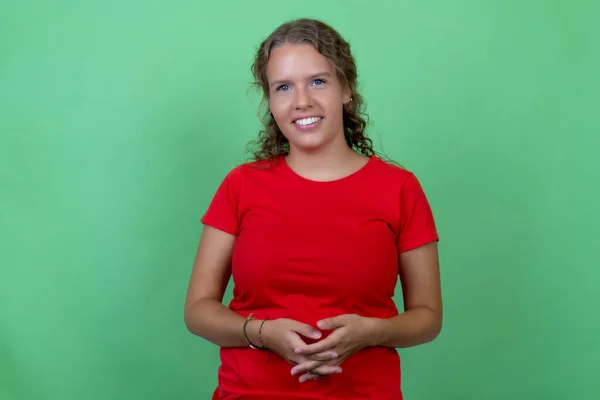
246	171
259	165
254	167
396	181
391	173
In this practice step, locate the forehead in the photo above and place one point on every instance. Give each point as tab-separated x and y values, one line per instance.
296	61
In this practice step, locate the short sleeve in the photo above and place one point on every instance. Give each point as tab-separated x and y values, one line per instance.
222	212
417	226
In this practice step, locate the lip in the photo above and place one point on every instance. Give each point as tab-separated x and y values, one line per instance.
306	116
310	127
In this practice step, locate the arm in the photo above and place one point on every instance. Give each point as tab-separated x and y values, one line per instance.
422	320
420	323
204	313
207	317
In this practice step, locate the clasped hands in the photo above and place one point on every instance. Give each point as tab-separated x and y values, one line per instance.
351	333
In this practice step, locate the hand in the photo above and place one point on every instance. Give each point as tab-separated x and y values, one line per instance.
283	337
351	334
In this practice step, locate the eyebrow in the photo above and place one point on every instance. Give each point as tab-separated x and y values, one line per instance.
317	75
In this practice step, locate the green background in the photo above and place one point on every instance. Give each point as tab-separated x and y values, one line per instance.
118	120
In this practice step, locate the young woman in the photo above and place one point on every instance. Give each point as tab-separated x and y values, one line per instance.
315	232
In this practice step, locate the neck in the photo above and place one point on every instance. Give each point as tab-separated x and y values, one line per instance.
325	164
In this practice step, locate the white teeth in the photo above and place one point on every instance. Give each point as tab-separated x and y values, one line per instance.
307	121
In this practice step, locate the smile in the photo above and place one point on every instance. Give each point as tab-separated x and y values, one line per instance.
307	121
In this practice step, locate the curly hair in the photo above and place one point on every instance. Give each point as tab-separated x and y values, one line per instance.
271	142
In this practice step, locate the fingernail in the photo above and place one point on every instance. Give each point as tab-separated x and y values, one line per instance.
298	351
294	371
338	371
333	355
317	335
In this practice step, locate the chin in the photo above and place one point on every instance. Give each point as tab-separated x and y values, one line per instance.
310	141
309	145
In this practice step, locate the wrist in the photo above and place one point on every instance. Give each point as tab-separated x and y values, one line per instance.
251	332
255	332
376	328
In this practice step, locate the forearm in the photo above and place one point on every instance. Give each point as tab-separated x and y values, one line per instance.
211	320
411	328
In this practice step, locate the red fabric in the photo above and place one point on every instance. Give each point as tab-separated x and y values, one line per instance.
309	250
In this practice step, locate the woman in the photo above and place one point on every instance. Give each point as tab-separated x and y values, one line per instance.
314	231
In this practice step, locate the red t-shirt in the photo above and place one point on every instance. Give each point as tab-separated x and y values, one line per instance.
309	250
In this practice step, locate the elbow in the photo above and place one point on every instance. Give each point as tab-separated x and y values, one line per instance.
190	316
430	324
435	332
435	325
195	315
187	319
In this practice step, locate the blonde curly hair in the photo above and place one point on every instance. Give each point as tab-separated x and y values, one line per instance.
271	142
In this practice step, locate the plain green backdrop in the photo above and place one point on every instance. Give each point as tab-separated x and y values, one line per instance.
118	119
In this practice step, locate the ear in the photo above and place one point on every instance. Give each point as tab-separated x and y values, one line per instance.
347	95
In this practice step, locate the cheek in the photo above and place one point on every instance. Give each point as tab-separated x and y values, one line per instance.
330	101
280	120
278	107
281	112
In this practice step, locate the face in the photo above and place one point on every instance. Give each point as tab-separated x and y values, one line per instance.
305	97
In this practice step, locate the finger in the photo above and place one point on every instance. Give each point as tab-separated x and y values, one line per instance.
324	345
310	376
295	340
324	356
307	331
325	370
332	323
306	366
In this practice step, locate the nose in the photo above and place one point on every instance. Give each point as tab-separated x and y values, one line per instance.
303	99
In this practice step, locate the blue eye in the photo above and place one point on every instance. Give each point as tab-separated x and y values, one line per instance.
283	88
318	82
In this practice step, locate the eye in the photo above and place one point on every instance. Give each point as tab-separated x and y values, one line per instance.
283	88
318	82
